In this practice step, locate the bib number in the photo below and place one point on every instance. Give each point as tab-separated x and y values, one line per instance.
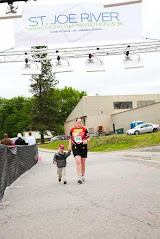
78	139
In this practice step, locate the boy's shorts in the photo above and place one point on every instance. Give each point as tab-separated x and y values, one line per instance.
78	151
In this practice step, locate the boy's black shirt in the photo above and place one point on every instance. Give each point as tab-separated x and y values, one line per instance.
60	159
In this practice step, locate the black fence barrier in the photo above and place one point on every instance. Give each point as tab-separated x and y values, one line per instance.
14	161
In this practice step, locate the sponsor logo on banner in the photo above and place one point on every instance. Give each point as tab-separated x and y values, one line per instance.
80	23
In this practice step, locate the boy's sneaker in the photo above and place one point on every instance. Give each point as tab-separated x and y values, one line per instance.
59	179
80	181
65	182
83	178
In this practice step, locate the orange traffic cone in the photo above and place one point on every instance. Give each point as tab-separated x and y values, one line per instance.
39	158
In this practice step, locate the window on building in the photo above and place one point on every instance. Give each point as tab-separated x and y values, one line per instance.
83	120
145	102
123	105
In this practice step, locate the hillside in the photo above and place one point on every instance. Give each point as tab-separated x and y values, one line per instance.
113	142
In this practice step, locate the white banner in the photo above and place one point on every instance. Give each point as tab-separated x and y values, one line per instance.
76	24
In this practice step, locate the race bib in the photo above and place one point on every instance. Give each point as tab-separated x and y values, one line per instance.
78	139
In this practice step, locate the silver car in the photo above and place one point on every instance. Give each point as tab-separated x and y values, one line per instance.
56	138
144	128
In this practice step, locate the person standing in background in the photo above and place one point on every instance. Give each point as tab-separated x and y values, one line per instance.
20	141
6	140
30	140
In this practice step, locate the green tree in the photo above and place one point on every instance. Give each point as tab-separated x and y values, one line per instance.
68	98
44	111
15	115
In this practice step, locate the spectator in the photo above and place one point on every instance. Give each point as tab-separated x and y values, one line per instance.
20	141
13	143
30	140
6	140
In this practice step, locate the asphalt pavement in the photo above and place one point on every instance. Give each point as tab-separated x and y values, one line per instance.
119	200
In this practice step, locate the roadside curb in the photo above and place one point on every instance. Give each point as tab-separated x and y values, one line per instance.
47	150
148	156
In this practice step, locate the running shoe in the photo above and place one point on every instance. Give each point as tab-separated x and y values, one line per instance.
59	179
65	182
80	181
83	178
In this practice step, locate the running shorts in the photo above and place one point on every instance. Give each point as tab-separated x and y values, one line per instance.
81	151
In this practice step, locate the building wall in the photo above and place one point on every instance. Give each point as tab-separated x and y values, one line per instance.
146	114
78	111
97	110
37	135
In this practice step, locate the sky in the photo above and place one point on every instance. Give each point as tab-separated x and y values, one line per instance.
114	81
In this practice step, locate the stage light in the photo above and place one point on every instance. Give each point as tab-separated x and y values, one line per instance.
8	9
115	3
132	61
31	68
61	65
94	64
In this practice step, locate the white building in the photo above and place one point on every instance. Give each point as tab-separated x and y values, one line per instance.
100	113
36	134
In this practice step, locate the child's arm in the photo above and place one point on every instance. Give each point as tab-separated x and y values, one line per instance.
67	153
54	159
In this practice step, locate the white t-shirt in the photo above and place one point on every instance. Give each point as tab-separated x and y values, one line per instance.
30	140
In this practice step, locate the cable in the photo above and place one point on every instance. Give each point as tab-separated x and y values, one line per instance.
152	39
7	50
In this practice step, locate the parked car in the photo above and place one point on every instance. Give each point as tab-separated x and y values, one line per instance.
144	128
56	138
92	135
59	137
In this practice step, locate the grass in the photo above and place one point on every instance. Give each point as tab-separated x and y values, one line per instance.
113	142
